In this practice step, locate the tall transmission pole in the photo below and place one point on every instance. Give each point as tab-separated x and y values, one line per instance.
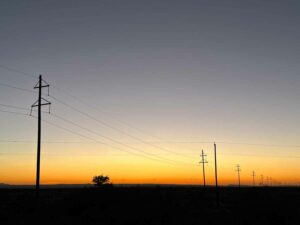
216	175
39	103
238	170
203	161
253	178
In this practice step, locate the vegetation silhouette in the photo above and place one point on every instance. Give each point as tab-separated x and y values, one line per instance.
101	180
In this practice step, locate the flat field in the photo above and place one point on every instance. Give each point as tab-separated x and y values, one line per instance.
142	205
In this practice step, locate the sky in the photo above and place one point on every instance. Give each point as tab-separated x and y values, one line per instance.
138	88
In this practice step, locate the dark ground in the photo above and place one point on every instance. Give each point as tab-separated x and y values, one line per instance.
150	205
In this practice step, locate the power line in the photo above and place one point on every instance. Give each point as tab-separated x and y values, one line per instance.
170	141
46	142
124	123
96	108
260	155
18	71
114	128
87	137
16	141
99	110
92	142
224	142
113	140
120	149
235	154
259	144
17	88
29	75
13	106
12	112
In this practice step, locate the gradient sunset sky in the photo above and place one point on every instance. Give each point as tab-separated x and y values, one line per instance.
139	88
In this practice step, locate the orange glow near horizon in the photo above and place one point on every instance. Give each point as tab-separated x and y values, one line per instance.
78	167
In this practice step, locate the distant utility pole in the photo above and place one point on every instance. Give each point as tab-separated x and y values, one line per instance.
39	103
203	161
262	180
238	170
216	175
253	176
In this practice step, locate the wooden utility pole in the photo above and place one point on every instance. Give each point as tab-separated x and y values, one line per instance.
253	178
238	171
203	161
41	84
216	175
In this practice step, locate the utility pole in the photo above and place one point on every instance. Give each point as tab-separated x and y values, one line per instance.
262	180
253	176
238	171
216	175
39	103
203	161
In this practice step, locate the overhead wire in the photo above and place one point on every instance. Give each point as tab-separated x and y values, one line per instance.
91	131
105	124
18	88
17	71
46	142
103	143
12	112
162	160
124	123
115	141
12	106
168	141
91	117
114	128
96	108
94	140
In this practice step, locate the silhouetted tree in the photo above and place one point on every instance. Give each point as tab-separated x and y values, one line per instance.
100	180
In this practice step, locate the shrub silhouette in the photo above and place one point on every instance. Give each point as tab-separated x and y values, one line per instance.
100	180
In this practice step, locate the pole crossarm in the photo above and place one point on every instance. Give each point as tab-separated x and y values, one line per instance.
35	104
42	84
203	161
